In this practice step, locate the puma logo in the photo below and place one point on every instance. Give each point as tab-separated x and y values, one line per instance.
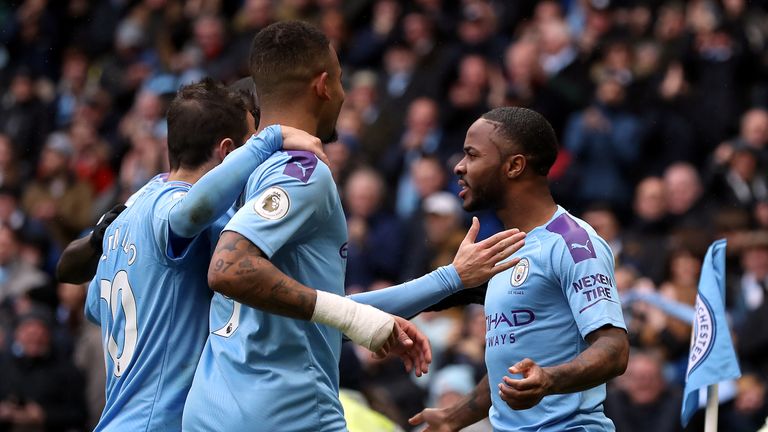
301	167
581	246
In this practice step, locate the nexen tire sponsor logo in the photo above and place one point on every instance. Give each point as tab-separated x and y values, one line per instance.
514	318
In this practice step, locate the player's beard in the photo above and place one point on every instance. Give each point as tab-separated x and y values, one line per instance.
328	138
483	196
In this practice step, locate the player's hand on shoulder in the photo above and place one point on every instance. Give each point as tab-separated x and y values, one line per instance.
436	421
410	345
528	391
297	139
476	262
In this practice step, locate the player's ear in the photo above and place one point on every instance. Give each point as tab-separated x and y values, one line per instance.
320	86
226	146
514	166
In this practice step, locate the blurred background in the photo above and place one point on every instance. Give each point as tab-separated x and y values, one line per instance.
660	108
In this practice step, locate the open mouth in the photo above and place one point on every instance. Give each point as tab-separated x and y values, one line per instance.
464	188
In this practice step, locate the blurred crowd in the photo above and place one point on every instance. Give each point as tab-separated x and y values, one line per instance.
660	107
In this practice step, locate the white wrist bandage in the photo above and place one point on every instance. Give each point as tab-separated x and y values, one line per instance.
365	325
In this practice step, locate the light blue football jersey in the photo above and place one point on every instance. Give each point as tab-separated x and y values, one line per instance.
265	372
543	308
152	303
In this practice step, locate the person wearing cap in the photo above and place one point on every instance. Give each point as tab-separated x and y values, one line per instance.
441	225
39	391
56	198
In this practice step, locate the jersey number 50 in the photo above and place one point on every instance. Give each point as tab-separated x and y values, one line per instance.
109	292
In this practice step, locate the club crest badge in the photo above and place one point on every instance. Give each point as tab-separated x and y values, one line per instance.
520	272
273	203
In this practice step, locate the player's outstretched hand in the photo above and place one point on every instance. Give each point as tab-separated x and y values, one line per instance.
297	139
527	392
477	262
410	345
436	420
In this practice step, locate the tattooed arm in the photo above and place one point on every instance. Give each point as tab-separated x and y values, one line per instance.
241	271
605	358
469	410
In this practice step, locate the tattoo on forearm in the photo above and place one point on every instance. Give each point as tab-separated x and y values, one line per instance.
243	273
221	265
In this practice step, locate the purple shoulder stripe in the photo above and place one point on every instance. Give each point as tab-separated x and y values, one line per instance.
301	165
576	238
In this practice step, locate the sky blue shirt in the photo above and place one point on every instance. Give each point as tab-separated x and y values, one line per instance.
152	313
543	308
150	294
261	371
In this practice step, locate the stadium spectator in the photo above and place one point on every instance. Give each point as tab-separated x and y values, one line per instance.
10	171
23	118
605	141
16	276
435	234
642	400
374	245
87	353
56	198
38	390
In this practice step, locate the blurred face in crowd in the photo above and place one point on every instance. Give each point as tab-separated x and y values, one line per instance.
209	35
521	62
8	245
52	163
440	227
761	214
8	205
683	188
548	10
480	171
473	71
604	222
22	88
643	380
364	193
399	59
75	70
755	261
34	338
610	92
670	23
6	151
148	106
684	268
744	164
428	176
554	37
258	13
422	116
71	296
754	128
650	199
418	32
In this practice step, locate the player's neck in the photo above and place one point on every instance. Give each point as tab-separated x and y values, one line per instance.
530	207
190	176
293	115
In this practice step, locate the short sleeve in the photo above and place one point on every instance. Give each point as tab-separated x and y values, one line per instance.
284	207
92	302
584	264
175	247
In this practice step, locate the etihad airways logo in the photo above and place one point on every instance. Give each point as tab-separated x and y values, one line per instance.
513	318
